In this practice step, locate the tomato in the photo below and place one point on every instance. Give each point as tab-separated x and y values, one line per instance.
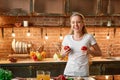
84	48
66	47
61	77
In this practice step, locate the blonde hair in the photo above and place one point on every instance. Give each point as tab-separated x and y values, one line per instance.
83	20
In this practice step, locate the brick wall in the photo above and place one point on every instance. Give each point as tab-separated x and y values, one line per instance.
53	32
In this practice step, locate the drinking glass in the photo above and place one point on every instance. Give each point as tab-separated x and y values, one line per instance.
40	75
47	75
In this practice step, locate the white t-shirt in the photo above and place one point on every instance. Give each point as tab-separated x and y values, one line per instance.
77	64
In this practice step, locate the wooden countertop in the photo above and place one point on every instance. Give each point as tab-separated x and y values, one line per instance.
105	59
24	61
51	60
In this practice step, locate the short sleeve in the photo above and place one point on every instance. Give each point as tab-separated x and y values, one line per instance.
92	40
65	41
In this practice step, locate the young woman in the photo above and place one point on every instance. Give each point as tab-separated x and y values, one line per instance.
77	45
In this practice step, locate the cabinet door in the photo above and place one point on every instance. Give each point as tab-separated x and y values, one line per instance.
49	6
14	7
105	69
86	7
20	71
111	69
95	69
55	68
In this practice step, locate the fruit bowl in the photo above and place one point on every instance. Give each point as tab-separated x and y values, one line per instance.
37	56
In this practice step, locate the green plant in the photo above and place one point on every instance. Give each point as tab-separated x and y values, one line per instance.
5	74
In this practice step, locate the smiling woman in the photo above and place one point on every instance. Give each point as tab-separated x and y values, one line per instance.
80	43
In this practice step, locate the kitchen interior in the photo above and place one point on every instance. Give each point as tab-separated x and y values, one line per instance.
39	26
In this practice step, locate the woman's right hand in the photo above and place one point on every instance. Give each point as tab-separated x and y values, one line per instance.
65	50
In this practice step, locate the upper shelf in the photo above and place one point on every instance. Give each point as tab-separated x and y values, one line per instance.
60	7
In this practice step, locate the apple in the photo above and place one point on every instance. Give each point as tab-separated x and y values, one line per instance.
39	57
34	57
66	47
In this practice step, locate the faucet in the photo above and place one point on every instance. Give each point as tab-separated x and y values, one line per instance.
109	50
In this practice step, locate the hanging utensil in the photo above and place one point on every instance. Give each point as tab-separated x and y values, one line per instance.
114	31
41	30
2	31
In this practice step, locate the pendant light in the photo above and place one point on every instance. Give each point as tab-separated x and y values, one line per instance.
108	35
46	36
94	33
94	27
13	33
108	25
28	33
61	36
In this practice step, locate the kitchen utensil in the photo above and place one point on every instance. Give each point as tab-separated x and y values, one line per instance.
19	46
16	47
25	48
13	45
114	31
18	24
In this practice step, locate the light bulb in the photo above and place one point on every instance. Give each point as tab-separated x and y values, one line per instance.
29	45
61	37
13	34
94	35
46	37
106	76
28	34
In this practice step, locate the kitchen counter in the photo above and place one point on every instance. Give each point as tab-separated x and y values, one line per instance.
28	67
